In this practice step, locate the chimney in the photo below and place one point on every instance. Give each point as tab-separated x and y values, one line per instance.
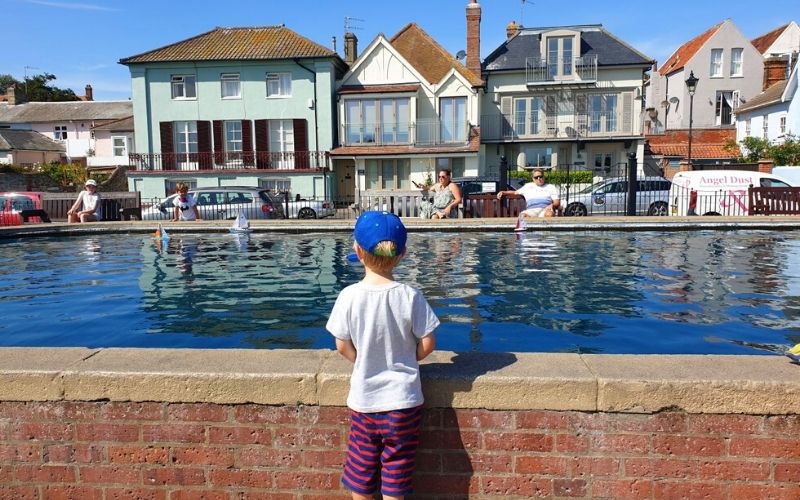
350	48
512	29
774	70
474	37
15	95
87	93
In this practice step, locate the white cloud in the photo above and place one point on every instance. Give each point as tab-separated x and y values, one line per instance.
70	5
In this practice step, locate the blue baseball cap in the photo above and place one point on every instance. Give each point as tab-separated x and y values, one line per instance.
376	226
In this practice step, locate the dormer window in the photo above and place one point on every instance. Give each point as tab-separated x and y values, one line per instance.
560	56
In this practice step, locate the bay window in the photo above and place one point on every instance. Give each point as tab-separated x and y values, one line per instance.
369	121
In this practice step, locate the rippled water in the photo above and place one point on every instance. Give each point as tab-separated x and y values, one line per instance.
612	292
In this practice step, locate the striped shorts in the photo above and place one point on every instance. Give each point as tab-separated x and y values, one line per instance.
385	441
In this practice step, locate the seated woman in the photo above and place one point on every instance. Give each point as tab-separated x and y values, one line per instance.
446	197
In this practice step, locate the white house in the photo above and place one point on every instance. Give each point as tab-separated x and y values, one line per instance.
773	114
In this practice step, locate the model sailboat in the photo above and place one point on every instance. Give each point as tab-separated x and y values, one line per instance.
241	224
794	353
161	233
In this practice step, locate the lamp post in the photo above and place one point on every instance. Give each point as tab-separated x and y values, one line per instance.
691	86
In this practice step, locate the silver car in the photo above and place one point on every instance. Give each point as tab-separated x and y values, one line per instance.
610	197
215	203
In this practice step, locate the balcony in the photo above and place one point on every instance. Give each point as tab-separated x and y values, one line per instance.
255	160
501	128
419	133
569	71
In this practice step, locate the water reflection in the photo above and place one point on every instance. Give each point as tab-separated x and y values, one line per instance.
686	292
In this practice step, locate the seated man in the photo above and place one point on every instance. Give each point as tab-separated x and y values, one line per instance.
541	199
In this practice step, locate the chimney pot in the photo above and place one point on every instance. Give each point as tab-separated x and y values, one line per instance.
87	93
512	29
350	48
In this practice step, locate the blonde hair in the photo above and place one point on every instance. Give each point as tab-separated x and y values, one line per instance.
181	187
382	263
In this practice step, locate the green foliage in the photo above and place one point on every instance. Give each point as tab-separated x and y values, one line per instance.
754	149
557	177
38	89
12	169
64	174
786	153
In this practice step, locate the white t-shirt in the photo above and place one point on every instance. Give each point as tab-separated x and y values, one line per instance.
185	207
89	201
384	322
538	196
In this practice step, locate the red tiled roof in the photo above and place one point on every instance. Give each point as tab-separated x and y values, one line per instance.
378	89
680	57
428	57
763	42
239	44
706	143
770	96
473	146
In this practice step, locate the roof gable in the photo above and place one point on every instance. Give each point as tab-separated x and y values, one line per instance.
380	64
236	44
429	58
765	41
685	52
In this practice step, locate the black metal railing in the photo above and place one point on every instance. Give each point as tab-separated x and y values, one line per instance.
265	160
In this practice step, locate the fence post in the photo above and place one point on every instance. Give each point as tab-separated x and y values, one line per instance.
632	184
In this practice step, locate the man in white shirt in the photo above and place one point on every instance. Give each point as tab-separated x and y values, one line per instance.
87	207
541	200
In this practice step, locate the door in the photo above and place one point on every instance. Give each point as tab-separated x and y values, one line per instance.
345	181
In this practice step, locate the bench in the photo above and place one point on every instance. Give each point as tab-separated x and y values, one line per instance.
774	200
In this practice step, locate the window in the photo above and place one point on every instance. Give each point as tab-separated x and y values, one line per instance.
210	198
240	197
736	61
538	156
281	140
231	86
528	114
184	87
120	145
454	165
60	132
724	108
279	85
603	112
388	174
233	136
453	116
716	62
765	127
276	186
185	138
559	57
747	128
783	125
368	121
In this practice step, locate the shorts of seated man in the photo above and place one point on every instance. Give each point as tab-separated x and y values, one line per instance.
537	212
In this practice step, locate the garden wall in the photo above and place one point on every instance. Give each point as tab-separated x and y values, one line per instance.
247	424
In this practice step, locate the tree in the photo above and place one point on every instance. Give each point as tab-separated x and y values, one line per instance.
37	89
786	153
754	149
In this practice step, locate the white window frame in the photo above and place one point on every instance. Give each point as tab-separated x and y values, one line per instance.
765	127
716	64
184	87
114	146
185	133
529	124
737	61
281	140
279	85
453	127
230	86
366	121
718	105
60	132
747	125
560	63
782	124
606	119
233	136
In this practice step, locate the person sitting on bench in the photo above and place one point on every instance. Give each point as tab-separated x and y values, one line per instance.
87	207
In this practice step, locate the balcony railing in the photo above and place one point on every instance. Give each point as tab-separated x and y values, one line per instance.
497	127
419	133
570	70
258	160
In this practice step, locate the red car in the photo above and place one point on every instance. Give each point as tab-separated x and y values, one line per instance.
12	204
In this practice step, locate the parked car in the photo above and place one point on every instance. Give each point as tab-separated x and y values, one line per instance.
299	208
12	204
610	197
216	203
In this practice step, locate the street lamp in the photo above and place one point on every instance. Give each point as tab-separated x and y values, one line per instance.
691	86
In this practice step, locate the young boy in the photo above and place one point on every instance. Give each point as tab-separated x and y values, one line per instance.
185	204
384	328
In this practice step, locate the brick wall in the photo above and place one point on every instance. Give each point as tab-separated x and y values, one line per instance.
115	450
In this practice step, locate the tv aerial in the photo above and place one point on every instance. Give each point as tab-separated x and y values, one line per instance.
522	4
351	23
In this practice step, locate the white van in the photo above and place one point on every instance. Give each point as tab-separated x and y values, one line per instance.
716	192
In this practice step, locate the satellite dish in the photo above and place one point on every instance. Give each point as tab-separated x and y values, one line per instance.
461	55
674	100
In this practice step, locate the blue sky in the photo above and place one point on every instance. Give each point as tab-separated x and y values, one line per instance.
81	41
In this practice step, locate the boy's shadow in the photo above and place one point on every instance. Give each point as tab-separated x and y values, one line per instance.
447	456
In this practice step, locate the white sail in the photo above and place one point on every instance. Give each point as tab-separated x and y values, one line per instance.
241	224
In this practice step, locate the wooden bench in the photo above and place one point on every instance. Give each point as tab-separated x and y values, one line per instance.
487	205
774	200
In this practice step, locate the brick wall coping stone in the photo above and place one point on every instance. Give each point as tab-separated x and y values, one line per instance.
418	225
497	381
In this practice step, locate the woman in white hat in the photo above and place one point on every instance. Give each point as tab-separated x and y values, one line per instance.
87	207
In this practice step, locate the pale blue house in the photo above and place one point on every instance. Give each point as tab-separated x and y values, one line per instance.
235	106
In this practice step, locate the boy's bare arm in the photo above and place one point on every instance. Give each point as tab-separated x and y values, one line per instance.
347	349
425	346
